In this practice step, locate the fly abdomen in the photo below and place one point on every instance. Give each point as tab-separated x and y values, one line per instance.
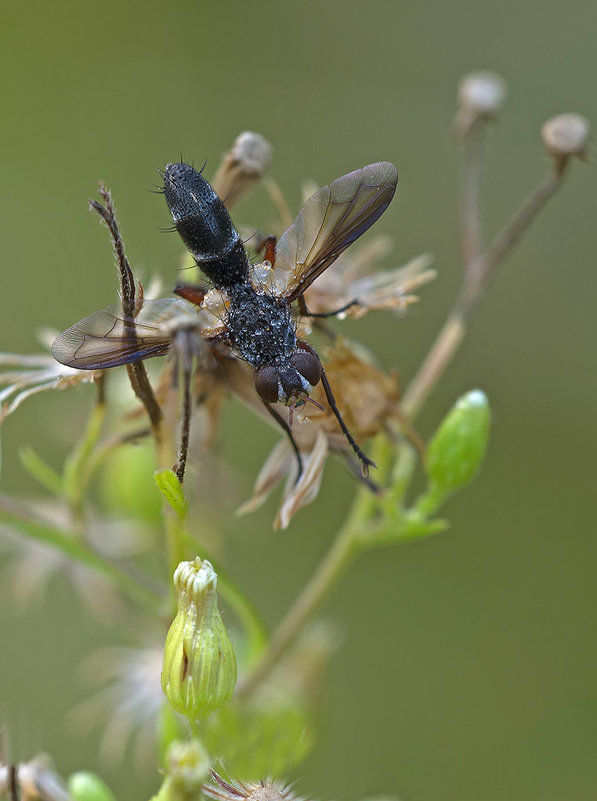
205	226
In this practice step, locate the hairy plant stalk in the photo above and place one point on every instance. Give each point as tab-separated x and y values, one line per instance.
136	370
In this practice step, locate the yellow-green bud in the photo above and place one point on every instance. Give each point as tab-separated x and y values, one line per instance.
85	786
188	769
457	449
199	672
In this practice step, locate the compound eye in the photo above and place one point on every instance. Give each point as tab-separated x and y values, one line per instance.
266	384
307	365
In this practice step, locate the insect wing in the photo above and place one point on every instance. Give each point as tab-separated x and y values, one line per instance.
330	221
107	339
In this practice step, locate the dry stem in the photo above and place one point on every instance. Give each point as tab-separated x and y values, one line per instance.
477	277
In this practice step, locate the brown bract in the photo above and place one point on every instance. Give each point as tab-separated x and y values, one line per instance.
367	398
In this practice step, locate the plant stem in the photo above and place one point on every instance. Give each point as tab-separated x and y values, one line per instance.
477	277
471	192
342	552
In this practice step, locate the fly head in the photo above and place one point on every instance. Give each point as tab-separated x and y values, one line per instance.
291	382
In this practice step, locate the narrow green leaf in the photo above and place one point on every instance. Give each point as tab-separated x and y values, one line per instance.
169	486
41	471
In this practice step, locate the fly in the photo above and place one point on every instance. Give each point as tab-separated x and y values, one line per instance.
249	311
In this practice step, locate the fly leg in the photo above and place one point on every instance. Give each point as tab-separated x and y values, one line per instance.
366	462
284	425
306	313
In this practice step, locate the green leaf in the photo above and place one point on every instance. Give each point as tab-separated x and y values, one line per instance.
169	486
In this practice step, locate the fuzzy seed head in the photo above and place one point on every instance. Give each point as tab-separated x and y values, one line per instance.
481	93
566	135
252	152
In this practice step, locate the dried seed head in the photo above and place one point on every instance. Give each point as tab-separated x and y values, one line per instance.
566	135
482	92
252	152
36	780
243	165
266	790
199	672
480	96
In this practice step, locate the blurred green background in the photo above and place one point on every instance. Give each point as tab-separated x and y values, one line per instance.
467	666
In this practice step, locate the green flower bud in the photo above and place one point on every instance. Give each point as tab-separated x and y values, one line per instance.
199	672
457	449
85	786
187	770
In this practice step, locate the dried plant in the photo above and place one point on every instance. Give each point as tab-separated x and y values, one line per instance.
241	701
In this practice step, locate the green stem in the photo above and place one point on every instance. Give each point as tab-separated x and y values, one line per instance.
342	552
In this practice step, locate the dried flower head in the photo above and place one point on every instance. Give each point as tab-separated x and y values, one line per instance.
566	135
480	96
368	399
32	565
32	374
128	705
242	166
36	780
265	790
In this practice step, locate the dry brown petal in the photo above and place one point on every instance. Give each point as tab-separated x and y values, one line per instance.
305	490
277	465
383	290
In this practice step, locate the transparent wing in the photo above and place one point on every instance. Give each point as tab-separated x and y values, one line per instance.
107	339
330	221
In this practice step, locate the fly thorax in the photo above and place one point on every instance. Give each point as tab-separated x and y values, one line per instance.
260	326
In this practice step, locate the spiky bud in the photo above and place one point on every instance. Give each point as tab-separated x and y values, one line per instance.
457	449
199	672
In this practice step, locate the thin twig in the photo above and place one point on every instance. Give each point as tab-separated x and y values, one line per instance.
471	193
14	790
